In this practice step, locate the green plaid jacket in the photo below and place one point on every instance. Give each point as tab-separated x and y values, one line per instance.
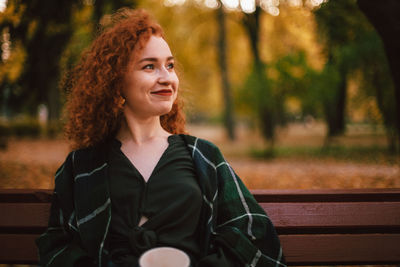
232	222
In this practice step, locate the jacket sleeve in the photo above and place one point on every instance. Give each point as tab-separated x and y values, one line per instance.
60	245
243	233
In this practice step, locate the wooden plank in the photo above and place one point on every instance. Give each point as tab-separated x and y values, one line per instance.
283	215
25	195
18	249
326	195
341	249
24	215
298	249
262	195
332	214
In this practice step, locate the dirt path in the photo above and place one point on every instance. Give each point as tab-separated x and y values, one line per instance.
32	164
307	174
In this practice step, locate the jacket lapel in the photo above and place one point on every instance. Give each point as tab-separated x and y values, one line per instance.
92	198
207	179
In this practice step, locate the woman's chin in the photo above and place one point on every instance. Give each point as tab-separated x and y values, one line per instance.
164	110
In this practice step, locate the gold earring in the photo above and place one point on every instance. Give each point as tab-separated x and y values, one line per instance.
122	102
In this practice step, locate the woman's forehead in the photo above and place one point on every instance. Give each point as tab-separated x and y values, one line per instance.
155	47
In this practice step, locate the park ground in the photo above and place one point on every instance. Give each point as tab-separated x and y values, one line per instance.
357	160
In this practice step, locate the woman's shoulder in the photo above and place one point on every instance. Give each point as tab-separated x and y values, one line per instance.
194	141
205	148
81	159
90	152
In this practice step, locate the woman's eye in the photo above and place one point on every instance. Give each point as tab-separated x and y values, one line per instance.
148	67
170	66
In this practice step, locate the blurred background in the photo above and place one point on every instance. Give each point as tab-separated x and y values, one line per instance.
296	93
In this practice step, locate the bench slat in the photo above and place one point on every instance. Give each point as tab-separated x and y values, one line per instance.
327	195
283	215
20	249
24	215
25	195
333	214
261	195
341	249
299	249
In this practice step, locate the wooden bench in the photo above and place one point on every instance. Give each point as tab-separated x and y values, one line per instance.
316	227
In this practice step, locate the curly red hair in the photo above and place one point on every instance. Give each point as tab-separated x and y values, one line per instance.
94	110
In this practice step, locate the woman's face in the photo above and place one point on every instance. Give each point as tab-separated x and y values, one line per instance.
151	84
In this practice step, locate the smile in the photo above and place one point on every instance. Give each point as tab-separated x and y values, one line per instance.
163	92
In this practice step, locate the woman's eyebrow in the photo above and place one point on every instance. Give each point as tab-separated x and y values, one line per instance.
154	59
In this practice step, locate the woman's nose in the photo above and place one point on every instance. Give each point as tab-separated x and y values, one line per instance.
164	76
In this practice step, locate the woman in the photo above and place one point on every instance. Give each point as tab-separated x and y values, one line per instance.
135	180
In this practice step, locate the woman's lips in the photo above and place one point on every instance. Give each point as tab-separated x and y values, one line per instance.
163	92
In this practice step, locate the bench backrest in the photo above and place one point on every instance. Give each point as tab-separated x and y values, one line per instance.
336	227
316	227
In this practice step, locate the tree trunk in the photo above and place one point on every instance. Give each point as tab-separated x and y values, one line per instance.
53	102
222	62
384	16
252	25
337	123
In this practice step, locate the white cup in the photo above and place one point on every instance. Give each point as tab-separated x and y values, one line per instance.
164	257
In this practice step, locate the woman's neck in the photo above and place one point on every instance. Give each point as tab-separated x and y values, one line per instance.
140	131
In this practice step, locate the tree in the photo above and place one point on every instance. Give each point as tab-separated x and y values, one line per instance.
222	63
385	18
251	23
41	32
263	100
338	27
352	45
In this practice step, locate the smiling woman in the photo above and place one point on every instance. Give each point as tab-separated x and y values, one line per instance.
96	104
136	181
